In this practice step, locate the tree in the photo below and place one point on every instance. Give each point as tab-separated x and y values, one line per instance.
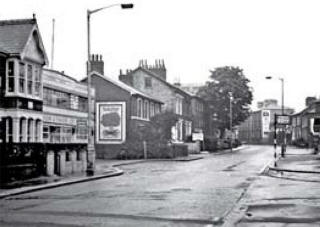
225	83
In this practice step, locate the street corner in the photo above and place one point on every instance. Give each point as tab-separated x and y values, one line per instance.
30	186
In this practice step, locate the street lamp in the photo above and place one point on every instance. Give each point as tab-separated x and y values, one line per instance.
284	144
90	149
230	99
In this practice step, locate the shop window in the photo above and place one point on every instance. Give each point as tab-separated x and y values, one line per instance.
22	78
11	76
29	79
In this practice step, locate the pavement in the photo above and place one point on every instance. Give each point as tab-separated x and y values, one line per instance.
287	194
103	169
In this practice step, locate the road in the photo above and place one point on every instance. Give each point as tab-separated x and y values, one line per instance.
158	193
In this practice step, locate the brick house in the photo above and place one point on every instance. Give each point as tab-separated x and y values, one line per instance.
117	102
152	80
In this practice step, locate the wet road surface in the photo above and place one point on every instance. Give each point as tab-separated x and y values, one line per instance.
156	193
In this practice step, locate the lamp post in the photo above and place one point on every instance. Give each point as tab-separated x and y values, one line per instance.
90	149
230	107
284	144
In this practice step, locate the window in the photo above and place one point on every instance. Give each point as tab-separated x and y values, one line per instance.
29	79
139	108
68	157
157	109
45	133
79	156
151	109
147	82
178	106
22	78
37	131
188	125
74	102
83	103
56	98
146	110
9	128
37	81
30	130
11	76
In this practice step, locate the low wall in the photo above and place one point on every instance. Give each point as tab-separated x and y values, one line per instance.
194	148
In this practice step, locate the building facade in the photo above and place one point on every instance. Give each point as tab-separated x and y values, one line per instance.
121	112
64	123
43	118
305	124
152	80
22	57
258	128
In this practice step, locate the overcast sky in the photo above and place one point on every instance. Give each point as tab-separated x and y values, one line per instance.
279	38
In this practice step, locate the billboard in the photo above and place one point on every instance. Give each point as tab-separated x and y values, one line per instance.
111	122
266	118
283	119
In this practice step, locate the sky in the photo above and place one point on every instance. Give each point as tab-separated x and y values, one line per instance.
278	38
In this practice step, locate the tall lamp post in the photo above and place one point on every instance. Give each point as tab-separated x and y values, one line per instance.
284	144
90	149
230	107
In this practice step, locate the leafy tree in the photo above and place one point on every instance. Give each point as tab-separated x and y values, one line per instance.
225	83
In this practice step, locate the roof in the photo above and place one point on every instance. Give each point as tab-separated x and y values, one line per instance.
124	86
165	82
60	73
59	81
15	34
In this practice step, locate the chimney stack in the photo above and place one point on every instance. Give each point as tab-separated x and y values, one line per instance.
96	63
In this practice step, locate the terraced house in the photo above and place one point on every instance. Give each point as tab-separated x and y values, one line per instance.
152	80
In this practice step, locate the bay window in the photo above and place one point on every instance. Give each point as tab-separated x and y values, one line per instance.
11	73
22	78
29	79
37	81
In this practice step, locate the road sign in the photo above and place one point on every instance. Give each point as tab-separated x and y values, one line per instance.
283	119
197	136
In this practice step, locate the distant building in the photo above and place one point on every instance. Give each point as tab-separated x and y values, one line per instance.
259	126
305	123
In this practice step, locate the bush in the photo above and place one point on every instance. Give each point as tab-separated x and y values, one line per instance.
211	144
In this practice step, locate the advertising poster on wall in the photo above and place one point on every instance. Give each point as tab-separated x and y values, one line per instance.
110	121
265	122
